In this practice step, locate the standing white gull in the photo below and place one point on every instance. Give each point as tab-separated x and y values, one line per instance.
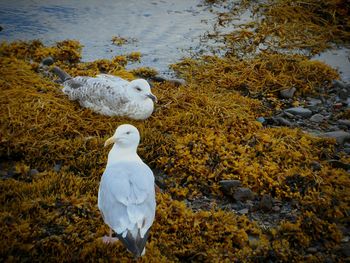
110	95
126	197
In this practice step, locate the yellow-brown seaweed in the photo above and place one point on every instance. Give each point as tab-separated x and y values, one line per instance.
199	134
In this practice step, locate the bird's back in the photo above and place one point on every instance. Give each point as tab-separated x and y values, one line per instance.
105	95
126	199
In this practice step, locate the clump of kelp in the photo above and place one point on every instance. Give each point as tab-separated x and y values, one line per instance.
199	134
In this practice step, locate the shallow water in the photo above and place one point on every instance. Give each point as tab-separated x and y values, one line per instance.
162	30
338	58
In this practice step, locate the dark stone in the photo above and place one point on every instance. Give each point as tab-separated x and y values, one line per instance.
287	93
343	94
340	136
314	102
282	121
243	211
340	85
48	61
261	119
299	111
317	118
57	167
243	194
266	203
344	122
229	186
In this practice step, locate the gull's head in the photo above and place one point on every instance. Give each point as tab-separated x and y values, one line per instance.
141	89
125	136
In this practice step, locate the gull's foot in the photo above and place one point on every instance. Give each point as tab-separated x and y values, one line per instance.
109	240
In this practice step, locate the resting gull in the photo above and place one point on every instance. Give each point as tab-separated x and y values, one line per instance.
110	95
126	197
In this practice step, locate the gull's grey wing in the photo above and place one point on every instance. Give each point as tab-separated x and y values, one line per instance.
116	80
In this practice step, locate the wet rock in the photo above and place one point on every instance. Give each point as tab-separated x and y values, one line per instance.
266	203
347	150
340	136
287	93
299	111
317	118
229	186
313	102
243	194
48	61
57	167
249	204
340	85
282	121
261	120
344	122
243	211
339	164
343	94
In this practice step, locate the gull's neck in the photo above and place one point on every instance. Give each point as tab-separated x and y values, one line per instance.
122	154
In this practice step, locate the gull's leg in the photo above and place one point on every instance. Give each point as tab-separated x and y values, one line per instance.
109	239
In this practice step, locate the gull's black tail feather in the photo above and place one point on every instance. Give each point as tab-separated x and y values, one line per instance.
61	74
135	246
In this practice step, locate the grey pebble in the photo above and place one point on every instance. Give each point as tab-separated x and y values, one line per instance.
243	194
344	122
287	93
47	61
317	118
340	136
313	101
57	167
266	203
299	111
243	211
282	121
261	119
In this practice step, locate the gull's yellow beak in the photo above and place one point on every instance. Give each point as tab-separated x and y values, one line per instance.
109	141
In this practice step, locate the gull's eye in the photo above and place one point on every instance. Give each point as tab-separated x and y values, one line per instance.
128	132
138	88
